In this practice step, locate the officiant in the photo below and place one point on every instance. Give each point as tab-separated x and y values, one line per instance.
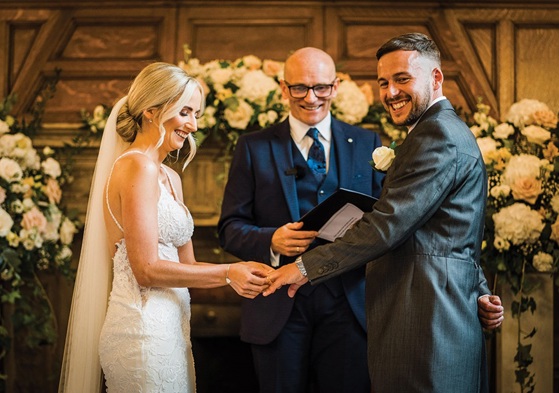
315	342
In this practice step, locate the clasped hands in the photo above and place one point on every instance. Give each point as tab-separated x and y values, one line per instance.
249	279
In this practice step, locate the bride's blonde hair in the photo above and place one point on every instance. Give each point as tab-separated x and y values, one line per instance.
166	89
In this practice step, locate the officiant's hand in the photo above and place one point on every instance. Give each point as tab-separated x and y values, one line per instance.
490	311
290	240
287	274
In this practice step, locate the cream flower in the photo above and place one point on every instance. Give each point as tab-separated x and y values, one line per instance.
521	166
522	112
252	62
240	116
545	118
543	262
476	130
487	146
255	86
518	224
501	244
503	131
536	134
2	195
554	202
383	157
10	170
350	104
273	68
67	230
6	223
500	191
220	76
51	167
4	127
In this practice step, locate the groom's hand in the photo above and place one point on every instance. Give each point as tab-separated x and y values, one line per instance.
288	274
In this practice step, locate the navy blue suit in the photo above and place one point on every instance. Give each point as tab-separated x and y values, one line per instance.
262	195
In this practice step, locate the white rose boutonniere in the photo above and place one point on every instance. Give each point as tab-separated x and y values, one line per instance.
383	157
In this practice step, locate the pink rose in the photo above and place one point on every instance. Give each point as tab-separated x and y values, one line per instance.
53	191
527	189
34	219
272	68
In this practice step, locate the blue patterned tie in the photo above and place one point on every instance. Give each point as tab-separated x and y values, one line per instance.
317	158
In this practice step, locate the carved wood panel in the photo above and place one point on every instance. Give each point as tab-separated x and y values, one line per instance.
499	50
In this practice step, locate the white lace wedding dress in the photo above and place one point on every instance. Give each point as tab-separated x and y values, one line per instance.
145	341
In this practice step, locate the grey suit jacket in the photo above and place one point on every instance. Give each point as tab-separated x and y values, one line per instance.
423	242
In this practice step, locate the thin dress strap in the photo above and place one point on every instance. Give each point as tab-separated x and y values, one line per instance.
174	193
107	188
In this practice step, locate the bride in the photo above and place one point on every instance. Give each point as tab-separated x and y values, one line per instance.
136	218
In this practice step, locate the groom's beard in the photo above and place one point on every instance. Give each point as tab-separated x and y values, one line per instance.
419	106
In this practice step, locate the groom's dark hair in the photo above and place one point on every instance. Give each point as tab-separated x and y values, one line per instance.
411	42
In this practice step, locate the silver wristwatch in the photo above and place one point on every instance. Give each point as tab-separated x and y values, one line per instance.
299	264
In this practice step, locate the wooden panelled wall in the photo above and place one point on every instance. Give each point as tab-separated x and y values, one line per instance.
495	50
499	51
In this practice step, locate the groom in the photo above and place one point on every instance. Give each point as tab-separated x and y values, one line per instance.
422	241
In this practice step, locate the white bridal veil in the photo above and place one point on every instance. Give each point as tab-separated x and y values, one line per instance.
81	371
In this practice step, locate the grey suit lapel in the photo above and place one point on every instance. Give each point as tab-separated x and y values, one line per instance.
283	161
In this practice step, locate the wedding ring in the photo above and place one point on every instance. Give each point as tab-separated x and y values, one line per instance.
297	248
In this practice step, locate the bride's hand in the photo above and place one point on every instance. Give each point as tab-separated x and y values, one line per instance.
248	279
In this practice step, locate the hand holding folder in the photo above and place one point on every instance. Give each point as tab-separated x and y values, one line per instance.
337	213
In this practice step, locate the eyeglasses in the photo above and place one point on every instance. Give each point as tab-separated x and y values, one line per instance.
301	91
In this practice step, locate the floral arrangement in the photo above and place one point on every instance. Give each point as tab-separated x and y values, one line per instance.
245	95
36	234
522	220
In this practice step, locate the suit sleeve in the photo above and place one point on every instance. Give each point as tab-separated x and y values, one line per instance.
238	231
416	185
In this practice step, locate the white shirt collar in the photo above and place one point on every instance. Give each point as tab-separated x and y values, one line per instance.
299	129
430	105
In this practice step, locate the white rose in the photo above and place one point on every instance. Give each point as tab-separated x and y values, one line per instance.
521	166
67	230
221	76
487	146
518	224
503	131
536	134
350	104
500	191
208	119
240	116
555	203
383	157
10	170
255	86
476	130
543	262
63	255
522	112
6	223
51	167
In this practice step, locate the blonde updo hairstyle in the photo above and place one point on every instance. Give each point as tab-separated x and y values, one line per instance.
165	89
